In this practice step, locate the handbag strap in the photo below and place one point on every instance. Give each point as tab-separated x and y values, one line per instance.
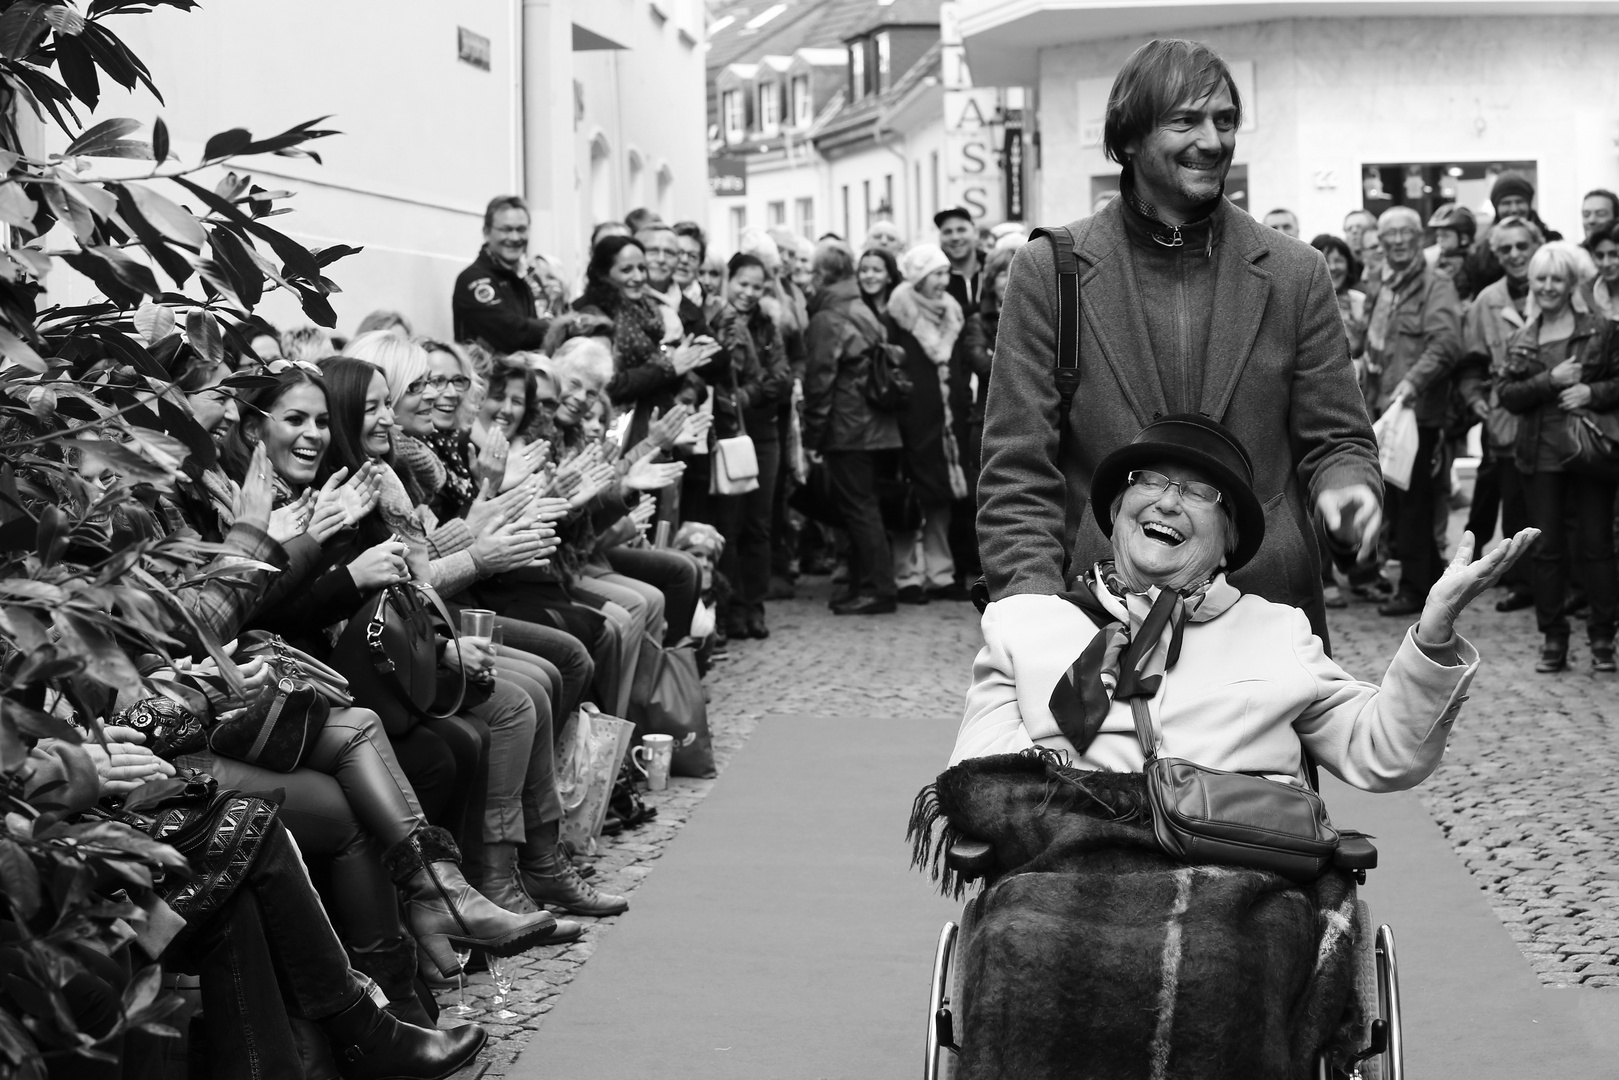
385	668
736	391
1146	728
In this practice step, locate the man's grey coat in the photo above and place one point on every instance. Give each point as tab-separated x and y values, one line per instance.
1277	373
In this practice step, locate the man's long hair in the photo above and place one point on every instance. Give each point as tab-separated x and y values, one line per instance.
1159	76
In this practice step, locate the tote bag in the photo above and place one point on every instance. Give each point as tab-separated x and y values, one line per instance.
667	699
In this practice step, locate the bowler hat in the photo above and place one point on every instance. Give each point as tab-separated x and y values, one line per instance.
1194	440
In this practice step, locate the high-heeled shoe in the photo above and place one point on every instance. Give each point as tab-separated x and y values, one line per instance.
446	913
369	1043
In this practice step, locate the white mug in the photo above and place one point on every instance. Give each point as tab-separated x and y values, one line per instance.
658	751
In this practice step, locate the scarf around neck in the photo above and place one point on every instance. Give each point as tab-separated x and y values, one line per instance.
935	324
1138	641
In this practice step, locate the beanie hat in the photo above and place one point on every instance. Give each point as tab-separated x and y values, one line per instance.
1511	183
922	260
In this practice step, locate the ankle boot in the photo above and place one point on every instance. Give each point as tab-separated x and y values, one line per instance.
445	912
500	886
548	876
392	965
1553	655
370	1044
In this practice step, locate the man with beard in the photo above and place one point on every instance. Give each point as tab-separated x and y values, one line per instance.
493	303
1188	305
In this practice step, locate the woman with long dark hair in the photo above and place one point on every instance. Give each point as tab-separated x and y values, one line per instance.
877	274
648	373
510	714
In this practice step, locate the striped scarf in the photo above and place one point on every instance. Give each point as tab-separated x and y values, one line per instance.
1138	639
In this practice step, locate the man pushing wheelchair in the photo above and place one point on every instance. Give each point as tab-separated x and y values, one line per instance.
1164	894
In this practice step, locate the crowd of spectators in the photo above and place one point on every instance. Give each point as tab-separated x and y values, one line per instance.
1505	327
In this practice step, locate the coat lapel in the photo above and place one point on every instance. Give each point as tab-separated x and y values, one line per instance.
1241	290
1111	305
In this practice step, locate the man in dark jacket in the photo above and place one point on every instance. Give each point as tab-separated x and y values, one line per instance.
1413	343
1187	304
493	303
842	430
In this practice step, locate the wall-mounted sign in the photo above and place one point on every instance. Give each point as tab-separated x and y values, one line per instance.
727	177
472	48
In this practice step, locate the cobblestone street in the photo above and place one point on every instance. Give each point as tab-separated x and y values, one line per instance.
1528	794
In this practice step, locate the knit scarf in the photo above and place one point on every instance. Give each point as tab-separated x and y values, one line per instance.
451	449
1388	300
1138	639
638	332
935	324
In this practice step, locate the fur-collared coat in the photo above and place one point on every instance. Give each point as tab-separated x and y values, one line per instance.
934	335
1252	687
1276	373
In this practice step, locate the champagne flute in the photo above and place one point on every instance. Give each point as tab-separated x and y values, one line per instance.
504	971
461	1008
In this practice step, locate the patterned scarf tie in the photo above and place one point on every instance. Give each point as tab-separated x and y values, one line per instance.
1128	656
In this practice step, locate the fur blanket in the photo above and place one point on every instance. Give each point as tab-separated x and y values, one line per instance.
1090	954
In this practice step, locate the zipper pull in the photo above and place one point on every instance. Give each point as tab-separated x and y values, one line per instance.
1174	241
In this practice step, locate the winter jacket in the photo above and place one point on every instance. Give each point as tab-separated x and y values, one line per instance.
1276	371
1423	343
836	416
1526	386
1489	324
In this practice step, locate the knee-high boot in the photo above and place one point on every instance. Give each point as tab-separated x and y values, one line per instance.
446	913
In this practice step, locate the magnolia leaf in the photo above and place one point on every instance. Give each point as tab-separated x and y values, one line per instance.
77	67
24	627
21	27
35	259
106	662
19	352
154	322
151	793
202	331
168	218
160	141
74	213
64	20
232	186
40	725
227	143
53	534
18	878
104	134
159	447
101	202
17	1047
16	208
120	837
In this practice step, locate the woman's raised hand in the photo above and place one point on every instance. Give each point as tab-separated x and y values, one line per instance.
692	353
649	475
257	495
664	430
492	457
1464	581
694	431
525	462
292	519
380	566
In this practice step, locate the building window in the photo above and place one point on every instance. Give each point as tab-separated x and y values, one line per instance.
803	104
769	107
933	164
601	179
883	62
776	213
739	221
731	111
804	211
857	70
846	229
916	201
887	208
865	194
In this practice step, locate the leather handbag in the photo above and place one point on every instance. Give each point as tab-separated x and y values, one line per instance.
1595	449
388	652
888	388
736	463
1203	815
295	662
277	729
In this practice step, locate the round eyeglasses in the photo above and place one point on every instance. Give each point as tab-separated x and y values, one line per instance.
1155	484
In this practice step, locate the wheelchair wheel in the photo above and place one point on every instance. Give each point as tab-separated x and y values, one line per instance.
944	1001
1376	983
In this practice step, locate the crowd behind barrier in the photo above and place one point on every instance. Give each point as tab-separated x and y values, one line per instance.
466	557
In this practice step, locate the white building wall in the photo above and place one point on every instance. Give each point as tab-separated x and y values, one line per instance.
427	139
1332	95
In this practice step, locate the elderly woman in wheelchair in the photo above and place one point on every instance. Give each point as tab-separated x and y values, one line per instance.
1104	942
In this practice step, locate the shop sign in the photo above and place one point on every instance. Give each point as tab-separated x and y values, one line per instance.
727	177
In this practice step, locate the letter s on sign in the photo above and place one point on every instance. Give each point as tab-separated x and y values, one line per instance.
972	155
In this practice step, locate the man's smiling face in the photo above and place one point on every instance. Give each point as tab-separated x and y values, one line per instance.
1183	162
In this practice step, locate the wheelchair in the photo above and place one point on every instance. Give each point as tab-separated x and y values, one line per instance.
1377	975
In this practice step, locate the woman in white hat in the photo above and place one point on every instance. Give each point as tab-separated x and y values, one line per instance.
941	346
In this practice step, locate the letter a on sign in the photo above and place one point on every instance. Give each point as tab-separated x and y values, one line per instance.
971	116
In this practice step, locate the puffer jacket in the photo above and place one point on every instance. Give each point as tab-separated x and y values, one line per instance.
1526	384
836	416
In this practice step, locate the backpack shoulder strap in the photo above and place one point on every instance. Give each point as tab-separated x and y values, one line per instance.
1066	372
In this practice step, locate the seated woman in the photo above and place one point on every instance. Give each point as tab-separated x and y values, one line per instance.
1245	685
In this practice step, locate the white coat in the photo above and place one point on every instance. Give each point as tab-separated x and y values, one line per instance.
1252	686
